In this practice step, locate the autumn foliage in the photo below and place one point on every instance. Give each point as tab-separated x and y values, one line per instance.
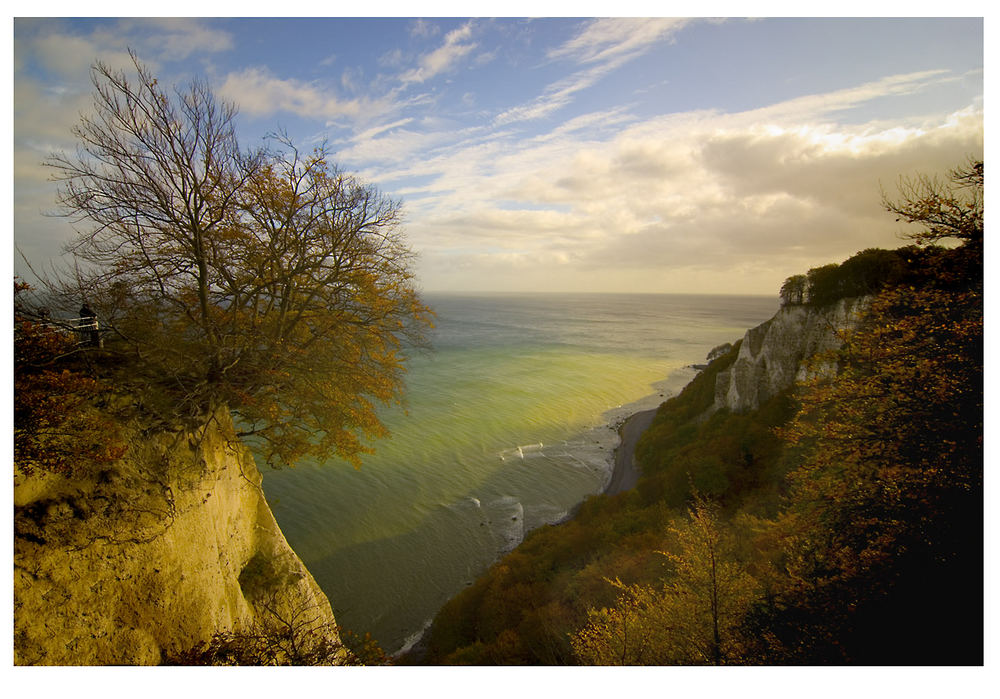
842	522
886	506
58	421
694	617
265	280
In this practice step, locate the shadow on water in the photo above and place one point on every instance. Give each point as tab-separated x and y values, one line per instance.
456	542
495	442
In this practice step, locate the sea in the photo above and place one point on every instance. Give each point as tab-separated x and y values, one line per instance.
510	421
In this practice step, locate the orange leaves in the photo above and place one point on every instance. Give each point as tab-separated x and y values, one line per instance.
268	281
56	425
892	444
952	209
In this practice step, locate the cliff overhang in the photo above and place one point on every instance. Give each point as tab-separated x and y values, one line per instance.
156	554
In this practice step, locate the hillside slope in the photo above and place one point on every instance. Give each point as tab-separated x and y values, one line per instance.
808	498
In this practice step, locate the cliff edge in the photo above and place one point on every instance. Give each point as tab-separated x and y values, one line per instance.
144	560
773	355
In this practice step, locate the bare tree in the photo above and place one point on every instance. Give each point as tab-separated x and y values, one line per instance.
265	281
952	209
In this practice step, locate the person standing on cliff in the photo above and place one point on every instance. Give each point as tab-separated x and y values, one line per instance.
88	322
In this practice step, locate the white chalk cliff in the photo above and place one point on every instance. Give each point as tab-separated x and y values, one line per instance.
155	554
773	355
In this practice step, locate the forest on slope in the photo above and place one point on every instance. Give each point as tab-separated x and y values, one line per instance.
840	522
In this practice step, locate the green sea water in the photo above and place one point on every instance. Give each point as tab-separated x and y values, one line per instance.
509	423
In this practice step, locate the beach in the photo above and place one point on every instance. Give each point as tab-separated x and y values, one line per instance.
450	493
626	473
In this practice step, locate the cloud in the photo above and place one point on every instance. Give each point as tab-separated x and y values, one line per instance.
603	46
443	58
391	59
70	54
69	57
700	201
604	40
556	96
423	28
175	39
811	107
382	128
607	199
258	91
405	152
516	229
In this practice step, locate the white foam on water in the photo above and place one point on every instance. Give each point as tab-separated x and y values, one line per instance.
507	522
413	639
522	451
545	514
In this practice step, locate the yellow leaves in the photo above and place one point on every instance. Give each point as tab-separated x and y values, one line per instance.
887	442
694	617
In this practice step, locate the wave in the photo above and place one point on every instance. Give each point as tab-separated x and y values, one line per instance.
520	451
507	522
413	638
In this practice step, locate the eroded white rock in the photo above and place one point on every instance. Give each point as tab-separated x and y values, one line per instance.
154	555
774	355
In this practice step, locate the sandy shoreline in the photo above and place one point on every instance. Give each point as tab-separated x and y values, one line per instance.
626	473
624	476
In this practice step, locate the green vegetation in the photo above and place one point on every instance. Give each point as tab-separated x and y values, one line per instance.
863	274
524	609
842	522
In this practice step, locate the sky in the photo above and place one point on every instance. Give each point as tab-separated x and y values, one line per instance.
563	154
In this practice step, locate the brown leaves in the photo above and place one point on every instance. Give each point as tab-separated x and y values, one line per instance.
952	209
894	440
269	282
57	426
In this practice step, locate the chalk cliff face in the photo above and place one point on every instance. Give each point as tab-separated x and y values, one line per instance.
154	555
772	355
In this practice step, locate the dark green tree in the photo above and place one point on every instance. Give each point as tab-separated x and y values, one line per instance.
793	291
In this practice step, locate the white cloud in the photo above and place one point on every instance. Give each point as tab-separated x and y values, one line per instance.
681	202
381	128
695	201
606	39
258	91
555	97
156	41
830	103
603	46
442	58
70	56
423	28
178	38
391	59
